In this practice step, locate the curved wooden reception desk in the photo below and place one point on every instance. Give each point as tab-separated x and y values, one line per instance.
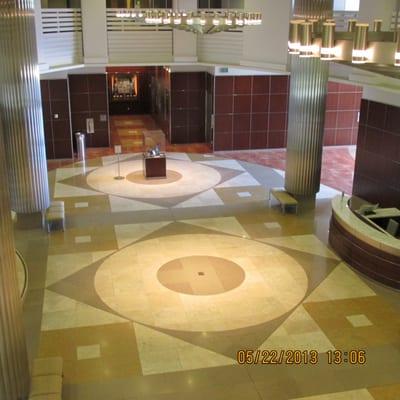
367	249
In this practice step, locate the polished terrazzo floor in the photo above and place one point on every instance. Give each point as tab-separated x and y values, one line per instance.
153	289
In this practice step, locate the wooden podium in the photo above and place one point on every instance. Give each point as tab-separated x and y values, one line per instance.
154	166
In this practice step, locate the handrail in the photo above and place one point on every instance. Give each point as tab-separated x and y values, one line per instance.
26	275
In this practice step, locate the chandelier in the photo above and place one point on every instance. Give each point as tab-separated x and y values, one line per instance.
318	38
203	22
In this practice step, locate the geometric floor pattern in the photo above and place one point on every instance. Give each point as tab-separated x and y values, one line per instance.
153	290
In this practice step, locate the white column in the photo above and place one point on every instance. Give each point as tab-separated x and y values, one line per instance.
184	43
39	36
94	30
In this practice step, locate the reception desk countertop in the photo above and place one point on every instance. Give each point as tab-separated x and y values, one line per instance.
361	230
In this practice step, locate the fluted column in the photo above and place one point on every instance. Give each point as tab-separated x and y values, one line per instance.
20	106
307	103
14	373
313	9
306	125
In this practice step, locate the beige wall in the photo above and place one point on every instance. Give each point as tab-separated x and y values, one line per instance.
184	43
94	29
381	9
263	46
267	44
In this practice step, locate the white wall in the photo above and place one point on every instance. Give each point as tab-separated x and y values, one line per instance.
184	43
64	72
232	71
38	30
377	9
94	29
184	46
266	45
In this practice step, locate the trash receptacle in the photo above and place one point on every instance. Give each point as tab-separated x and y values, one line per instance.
80	145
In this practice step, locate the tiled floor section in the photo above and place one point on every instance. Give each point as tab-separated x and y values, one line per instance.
127	131
337	162
100	299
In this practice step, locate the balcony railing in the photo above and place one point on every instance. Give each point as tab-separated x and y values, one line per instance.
61	36
137	42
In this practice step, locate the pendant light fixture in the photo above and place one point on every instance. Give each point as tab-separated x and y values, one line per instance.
196	21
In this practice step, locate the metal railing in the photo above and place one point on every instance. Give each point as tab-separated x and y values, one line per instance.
59	20
61	36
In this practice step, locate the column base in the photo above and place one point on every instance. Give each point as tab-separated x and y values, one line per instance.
306	203
29	221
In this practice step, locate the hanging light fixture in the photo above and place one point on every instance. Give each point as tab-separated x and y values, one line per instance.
377	25
294	36
196	21
307	49
359	55
328	41
319	38
351	25
397	53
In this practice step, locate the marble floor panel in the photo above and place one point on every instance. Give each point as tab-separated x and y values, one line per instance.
194	287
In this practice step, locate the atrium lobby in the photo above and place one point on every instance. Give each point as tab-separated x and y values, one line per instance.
262	264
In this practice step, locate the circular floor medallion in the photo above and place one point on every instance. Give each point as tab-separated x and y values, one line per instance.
201	275
194	178
132	282
138	177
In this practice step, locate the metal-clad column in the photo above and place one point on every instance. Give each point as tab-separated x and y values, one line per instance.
307	102
313	9
21	109
14	372
306	125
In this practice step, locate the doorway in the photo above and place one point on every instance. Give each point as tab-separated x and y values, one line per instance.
130	104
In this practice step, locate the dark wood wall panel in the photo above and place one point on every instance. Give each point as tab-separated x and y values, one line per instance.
377	167
89	99
57	128
369	260
188	91
209	104
161	99
250	112
341	117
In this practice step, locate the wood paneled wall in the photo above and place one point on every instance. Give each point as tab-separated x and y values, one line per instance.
57	126
377	168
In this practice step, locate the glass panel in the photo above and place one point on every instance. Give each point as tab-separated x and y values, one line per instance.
339	5
239	4
202	4
346	5
61	3
143	3
128	3
215	3
116	3
352	5
74	4
54	4
159	4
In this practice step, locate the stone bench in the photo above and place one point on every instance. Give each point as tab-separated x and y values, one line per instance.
55	214
284	198
47	374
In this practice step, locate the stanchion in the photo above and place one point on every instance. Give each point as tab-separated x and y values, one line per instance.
118	151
